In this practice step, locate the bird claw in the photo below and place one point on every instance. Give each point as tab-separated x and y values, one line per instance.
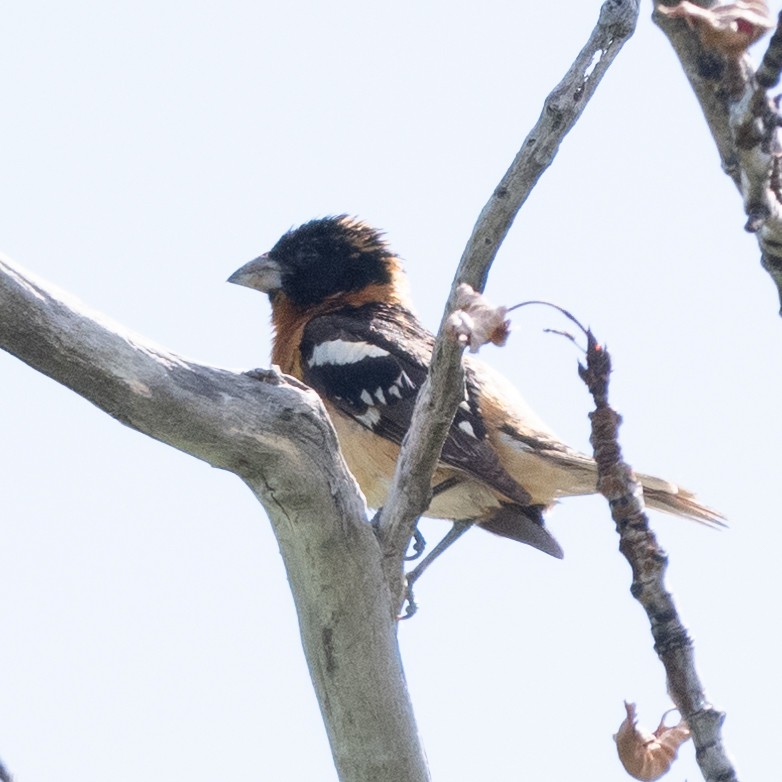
419	545
410	606
457	530
274	377
419	542
408	602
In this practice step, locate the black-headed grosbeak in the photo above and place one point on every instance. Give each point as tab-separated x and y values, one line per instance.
343	324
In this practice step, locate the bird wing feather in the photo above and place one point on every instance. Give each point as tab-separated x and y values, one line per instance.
370	363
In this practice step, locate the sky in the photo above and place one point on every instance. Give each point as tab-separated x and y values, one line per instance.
147	151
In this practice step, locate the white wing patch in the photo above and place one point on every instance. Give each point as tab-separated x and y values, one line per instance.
402	383
341	351
517	445
374	366
370	418
466	427
404	380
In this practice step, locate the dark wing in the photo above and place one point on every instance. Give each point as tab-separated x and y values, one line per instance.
370	362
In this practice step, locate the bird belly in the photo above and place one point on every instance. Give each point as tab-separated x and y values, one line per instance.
468	499
372	460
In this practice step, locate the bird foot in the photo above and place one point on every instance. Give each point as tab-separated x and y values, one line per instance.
457	530
410	606
419	541
274	377
419	545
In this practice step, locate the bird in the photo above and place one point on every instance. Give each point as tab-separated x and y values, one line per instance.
344	325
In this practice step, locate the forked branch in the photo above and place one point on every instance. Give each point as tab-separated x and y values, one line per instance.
270	434
438	399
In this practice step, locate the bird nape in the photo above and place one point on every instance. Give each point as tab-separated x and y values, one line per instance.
343	324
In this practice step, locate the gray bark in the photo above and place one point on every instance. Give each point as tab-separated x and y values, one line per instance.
744	123
441	393
277	438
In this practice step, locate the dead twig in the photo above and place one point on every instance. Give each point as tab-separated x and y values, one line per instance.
637	542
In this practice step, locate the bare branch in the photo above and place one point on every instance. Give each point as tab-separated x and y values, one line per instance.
561	110
278	439
743	119
672	642
437	401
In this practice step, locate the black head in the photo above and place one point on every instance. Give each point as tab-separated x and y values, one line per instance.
331	255
319	259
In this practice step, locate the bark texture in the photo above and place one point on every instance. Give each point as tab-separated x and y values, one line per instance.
637	542
347	582
742	117
277	438
441	394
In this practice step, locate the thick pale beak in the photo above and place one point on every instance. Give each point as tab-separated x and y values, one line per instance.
262	274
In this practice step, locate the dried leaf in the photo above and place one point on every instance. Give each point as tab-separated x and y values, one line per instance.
648	756
730	28
475	321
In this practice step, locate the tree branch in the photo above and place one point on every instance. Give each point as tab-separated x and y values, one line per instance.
637	542
742	118
439	397
272	435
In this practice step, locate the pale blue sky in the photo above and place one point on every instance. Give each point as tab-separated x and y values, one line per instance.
149	149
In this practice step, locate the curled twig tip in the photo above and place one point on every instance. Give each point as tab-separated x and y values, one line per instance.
572	318
566	334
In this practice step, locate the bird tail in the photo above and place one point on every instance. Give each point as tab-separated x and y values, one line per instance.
522	523
670	498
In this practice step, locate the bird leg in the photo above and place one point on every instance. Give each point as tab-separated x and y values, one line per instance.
419	544
457	530
419	541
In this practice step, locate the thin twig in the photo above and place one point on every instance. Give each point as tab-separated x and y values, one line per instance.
617	483
437	401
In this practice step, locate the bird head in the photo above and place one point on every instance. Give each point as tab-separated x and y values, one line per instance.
322	259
